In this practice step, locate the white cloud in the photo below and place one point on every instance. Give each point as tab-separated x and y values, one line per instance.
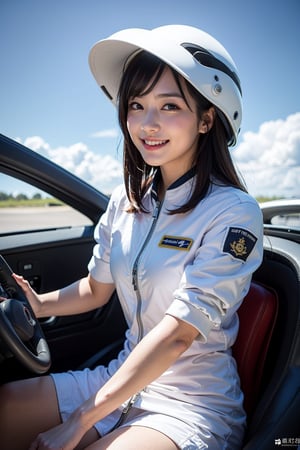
269	160
38	144
103	172
109	133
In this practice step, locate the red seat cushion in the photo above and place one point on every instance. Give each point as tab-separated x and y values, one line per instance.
257	316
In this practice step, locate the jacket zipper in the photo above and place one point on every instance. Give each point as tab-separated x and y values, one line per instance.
155	215
135	270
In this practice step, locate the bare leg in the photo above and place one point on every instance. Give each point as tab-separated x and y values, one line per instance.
134	438
27	408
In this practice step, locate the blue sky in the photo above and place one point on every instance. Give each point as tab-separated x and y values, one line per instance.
47	90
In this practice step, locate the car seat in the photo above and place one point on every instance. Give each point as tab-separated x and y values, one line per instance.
257	316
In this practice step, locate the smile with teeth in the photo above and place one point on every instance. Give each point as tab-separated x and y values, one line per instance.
154	143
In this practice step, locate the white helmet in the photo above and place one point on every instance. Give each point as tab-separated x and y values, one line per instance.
194	54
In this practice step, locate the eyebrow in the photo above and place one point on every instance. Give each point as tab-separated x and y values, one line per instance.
170	94
164	95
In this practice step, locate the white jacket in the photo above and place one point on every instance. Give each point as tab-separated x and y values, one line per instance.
195	266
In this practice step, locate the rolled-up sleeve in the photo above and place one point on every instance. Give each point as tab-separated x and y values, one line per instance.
214	284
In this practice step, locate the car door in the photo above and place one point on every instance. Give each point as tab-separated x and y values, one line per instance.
51	248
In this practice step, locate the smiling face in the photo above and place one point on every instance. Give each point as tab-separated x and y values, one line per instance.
163	119
164	127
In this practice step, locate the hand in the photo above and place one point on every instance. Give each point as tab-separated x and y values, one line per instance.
65	436
31	295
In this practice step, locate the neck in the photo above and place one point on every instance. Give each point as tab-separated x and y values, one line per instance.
159	186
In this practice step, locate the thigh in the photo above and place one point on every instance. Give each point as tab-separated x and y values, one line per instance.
134	438
26	408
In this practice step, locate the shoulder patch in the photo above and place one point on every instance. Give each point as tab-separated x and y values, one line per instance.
176	242
239	243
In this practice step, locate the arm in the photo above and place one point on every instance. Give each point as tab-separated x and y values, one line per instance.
83	295
151	357
157	351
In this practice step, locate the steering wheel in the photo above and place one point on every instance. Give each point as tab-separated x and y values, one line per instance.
19	328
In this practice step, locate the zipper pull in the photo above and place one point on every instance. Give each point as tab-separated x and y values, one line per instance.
125	411
130	403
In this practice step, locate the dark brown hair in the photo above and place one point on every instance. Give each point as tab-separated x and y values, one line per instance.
212	159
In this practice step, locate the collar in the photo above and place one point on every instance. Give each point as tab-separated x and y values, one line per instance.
179	182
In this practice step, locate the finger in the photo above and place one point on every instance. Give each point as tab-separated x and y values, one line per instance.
18	278
21	281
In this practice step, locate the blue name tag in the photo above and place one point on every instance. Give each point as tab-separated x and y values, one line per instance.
176	242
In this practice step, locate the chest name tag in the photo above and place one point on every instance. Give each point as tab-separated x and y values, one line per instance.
239	243
176	243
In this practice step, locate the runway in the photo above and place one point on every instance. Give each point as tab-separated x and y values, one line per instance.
25	219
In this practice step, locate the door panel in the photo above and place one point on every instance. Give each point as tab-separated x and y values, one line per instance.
72	339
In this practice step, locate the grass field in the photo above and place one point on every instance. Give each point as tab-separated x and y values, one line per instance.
27	203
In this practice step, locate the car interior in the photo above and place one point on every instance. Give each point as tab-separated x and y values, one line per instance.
267	349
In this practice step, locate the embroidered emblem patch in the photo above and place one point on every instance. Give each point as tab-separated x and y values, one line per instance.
176	242
239	243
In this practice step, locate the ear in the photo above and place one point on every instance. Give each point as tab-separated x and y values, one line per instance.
207	120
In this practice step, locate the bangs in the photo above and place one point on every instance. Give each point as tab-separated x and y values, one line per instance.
141	75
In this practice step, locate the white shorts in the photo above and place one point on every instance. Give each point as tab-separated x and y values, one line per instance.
73	388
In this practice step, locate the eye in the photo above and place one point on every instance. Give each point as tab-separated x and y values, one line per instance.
170	107
134	106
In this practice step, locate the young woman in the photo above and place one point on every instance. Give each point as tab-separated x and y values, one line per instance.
179	242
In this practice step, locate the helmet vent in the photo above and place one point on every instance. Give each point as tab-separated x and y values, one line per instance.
207	59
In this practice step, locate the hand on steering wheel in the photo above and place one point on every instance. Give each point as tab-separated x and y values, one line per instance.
19	328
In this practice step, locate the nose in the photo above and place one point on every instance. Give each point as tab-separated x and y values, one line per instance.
150	123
